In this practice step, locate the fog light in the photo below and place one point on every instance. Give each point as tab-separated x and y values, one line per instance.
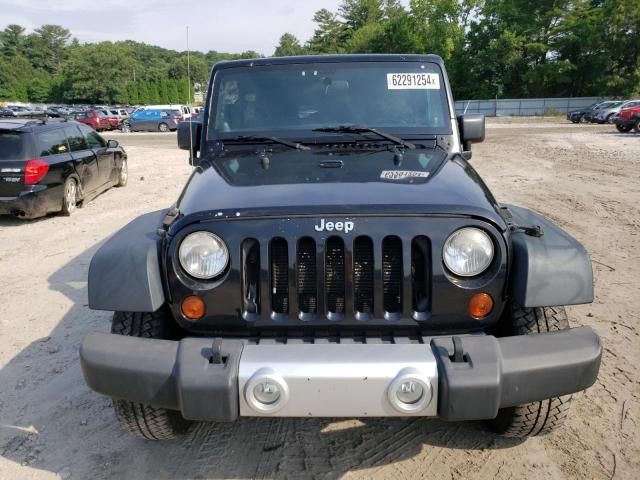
266	391
410	391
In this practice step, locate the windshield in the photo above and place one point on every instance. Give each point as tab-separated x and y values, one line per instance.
293	100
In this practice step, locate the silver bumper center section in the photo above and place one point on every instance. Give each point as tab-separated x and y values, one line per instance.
330	380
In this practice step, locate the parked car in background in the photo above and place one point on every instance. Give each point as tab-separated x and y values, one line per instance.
152	121
628	118
577	116
51	166
608	113
114	118
588	116
95	119
119	113
7	112
185	110
19	110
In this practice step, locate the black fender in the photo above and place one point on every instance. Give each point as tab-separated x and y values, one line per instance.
125	273
549	270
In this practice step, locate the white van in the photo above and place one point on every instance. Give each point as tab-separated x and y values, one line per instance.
185	110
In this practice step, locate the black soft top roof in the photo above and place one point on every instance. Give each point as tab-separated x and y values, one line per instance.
365	57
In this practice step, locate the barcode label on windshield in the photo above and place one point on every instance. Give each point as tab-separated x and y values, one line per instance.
413	81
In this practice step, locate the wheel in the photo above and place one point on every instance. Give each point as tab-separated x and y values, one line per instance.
123	177
575	119
636	125
608	119
623	128
69	196
583	119
146	421
536	418
163	127
125	128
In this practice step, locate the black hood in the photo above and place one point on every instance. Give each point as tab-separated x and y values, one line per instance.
453	188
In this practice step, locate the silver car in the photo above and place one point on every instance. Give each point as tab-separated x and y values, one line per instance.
608	113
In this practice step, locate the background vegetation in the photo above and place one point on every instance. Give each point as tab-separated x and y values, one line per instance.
492	48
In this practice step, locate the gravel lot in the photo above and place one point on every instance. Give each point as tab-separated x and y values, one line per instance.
586	178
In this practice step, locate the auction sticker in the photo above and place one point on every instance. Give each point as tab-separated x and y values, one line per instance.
413	81
402	174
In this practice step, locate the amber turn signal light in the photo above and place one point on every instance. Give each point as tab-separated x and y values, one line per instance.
480	305
193	307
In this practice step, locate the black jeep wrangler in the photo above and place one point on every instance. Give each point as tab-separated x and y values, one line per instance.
334	254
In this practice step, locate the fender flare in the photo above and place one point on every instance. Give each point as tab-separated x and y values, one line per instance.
551	270
125	273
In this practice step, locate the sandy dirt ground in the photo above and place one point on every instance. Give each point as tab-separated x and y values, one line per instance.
586	178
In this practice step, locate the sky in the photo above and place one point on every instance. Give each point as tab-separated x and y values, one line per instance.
223	25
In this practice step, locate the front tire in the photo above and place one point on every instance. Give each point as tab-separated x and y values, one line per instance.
163	127
636	126
146	421
535	418
623	128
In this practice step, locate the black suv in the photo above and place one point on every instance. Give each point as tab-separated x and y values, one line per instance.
335	254
51	165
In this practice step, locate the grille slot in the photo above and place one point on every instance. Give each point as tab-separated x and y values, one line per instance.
250	253
420	274
279	259
334	275
363	275
306	276
392	274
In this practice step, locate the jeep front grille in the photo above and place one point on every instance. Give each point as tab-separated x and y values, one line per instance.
307	279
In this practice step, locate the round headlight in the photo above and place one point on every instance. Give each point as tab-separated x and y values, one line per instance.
468	252
203	255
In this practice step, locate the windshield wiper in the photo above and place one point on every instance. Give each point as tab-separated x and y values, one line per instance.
364	129
258	139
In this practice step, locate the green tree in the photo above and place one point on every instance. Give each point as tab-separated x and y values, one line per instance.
49	47
15	72
97	72
289	46
358	13
330	33
12	40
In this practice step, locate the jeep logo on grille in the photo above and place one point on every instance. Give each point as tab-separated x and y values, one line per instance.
345	227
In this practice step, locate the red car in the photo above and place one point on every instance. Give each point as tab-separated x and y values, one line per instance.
628	118
97	120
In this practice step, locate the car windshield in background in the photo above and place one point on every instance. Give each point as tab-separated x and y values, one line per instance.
12	145
293	100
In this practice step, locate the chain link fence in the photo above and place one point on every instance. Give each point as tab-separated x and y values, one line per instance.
526	107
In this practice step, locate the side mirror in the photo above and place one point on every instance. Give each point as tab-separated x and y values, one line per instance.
471	128
189	135
112	144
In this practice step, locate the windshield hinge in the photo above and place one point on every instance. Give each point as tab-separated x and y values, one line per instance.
532	231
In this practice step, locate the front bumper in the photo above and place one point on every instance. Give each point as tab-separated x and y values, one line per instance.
465	377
